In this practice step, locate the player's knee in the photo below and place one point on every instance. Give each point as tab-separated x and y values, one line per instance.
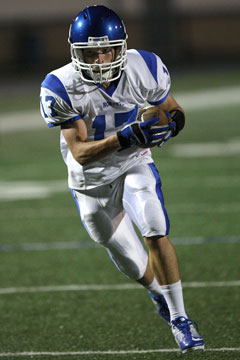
153	242
156	219
136	272
98	226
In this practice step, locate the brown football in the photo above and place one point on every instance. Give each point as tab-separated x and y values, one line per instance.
150	112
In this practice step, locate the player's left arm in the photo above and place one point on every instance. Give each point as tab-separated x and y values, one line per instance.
161	97
176	112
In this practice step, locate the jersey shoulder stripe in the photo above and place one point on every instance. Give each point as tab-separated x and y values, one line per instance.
148	75
52	82
159	101
77	117
151	62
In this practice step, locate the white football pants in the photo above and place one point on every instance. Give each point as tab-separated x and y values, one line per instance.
107	213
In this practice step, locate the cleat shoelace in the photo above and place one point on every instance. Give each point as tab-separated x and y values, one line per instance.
185	325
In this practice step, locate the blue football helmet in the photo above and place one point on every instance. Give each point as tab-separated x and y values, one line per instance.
98	27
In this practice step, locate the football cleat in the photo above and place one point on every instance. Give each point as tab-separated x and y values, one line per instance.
161	306
186	335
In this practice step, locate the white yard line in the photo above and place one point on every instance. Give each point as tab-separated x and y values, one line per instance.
13	190
209	98
108	352
204	208
108	287
226	148
22	121
79	244
26	190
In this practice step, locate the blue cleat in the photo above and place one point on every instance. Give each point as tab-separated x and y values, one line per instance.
161	306
186	335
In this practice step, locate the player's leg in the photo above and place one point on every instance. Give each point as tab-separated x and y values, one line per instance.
163	259
155	292
164	264
126	250
118	236
146	208
143	200
108	224
130	257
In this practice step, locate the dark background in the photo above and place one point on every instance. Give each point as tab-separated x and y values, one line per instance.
186	34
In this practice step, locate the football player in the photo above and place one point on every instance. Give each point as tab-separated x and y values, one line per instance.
95	100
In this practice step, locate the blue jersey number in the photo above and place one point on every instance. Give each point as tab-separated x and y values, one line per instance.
51	100
99	122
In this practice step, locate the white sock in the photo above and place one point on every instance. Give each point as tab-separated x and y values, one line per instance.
154	287
174	297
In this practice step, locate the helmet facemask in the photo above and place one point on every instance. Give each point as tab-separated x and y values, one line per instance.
99	73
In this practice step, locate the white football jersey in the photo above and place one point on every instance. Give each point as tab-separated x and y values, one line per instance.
66	98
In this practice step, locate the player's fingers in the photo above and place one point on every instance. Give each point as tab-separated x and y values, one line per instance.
159	129
168	135
160	144
165	139
158	136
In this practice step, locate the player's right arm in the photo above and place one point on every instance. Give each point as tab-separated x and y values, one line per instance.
56	110
135	133
84	151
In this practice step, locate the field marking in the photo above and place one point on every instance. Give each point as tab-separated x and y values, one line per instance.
26	190
208	149
191	100
79	244
22	121
109	287
55	245
209	98
204	208
107	352
198	240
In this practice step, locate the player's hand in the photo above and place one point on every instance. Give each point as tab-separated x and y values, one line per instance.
142	133
169	133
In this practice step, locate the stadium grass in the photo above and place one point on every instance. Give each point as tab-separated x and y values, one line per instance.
112	320
92	265
120	320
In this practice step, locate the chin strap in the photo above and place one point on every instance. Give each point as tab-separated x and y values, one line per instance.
179	118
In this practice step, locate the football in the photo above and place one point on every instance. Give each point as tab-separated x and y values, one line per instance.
149	112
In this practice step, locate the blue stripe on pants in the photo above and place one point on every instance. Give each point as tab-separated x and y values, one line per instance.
160	194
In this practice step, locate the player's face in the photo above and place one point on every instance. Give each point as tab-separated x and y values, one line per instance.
99	56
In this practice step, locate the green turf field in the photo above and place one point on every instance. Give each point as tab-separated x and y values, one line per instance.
44	249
